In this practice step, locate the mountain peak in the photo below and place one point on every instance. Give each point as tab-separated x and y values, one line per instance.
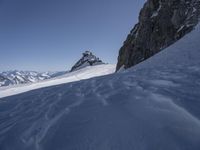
87	53
88	59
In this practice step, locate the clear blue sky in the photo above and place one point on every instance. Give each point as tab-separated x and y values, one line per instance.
50	35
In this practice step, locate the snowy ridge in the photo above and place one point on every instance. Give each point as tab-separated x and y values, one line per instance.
81	74
9	78
153	106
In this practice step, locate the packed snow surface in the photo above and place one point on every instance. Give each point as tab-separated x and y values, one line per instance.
153	106
85	73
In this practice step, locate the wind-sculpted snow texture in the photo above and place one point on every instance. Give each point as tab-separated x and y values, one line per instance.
154	106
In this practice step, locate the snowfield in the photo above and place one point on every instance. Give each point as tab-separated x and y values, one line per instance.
153	106
85	73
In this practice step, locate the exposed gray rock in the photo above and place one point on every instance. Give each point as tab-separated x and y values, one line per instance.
161	23
88	59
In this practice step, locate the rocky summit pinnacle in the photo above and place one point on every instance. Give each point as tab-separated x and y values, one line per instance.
88	59
161	23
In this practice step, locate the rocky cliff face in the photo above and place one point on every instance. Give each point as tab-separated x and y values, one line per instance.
88	59
161	23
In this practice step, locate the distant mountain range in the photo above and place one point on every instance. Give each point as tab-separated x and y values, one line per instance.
21	77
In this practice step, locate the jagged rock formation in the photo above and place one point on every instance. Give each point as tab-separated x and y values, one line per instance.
88	59
161	23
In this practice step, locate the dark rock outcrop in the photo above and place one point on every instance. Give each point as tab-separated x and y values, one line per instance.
161	23
88	59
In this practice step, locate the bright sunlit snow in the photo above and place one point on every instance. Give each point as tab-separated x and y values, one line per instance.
153	106
84	73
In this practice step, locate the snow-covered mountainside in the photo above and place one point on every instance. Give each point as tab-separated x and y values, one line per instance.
21	77
161	23
88	59
85	73
152	106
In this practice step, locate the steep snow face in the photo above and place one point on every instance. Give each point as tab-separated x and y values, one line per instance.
88	59
81	74
152	106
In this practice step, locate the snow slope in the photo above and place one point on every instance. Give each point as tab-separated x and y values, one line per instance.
154	106
84	73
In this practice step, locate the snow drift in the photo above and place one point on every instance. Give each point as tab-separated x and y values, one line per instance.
152	106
